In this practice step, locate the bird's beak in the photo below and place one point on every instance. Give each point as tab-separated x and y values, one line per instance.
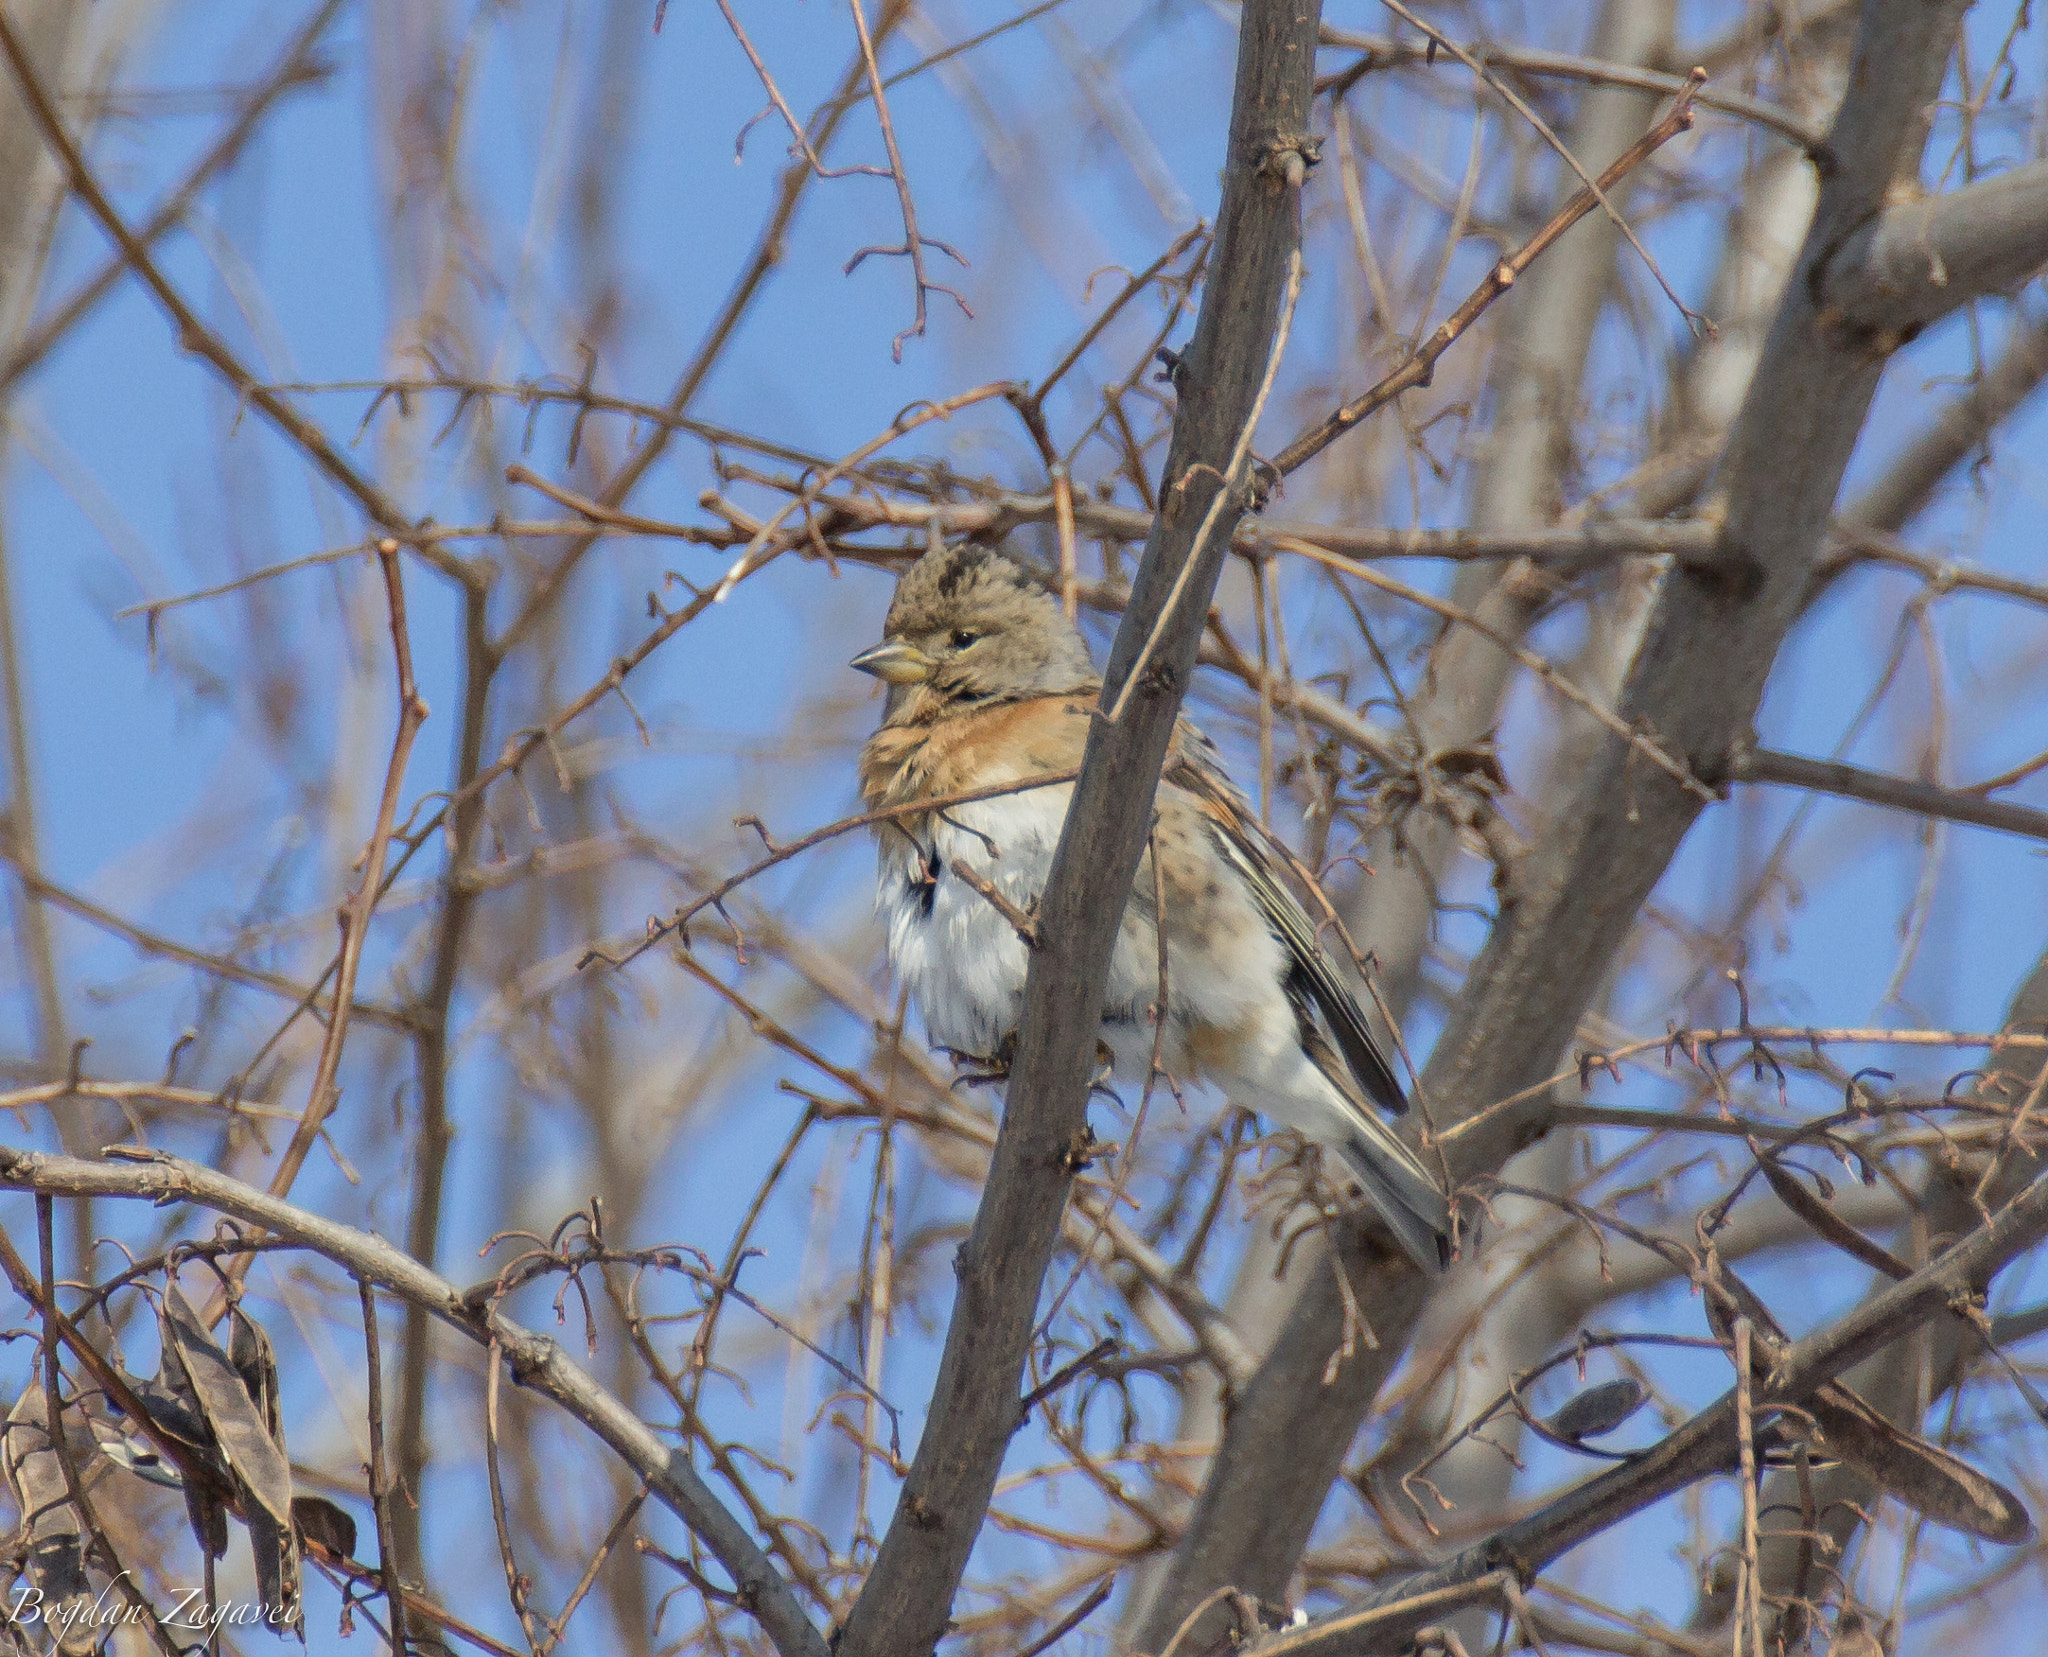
896	663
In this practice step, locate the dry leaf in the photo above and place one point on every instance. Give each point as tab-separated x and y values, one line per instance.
1828	1223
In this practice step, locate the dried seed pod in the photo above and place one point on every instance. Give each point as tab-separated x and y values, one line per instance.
238	1397
51	1531
1597	1410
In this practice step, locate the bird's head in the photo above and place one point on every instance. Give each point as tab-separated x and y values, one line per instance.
970	627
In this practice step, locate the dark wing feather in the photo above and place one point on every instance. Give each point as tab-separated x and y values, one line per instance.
1395	1181
1317	974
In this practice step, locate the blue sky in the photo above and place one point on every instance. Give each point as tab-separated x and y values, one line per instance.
131	477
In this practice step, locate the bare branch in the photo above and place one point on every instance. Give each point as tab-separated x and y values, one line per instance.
1383	53
296	67
908	1596
194	335
1420	364
1916	263
1852	782
536	1362
380	1489
1698	675
1908	479
412	713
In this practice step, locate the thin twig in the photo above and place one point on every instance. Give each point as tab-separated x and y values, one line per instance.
914	243
1598	187
543	1367
1923	799
380	1487
679	922
1072	1620
1063	525
295	67
412	713
1131	289
1419	366
595	512
1234	478
420	1610
1656	753
1701	1447
1022	921
1693	1042
1749	1607
948	53
799	140
758	550
1381	52
195	336
515	1579
169	949
612	1538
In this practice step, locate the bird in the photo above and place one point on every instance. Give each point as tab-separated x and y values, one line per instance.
989	683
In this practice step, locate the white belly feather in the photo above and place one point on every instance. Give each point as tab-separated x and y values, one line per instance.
965	965
961	960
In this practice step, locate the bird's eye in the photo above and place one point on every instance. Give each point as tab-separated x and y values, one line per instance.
962	638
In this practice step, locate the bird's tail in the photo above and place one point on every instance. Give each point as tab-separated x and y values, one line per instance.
1399	1187
1401	1192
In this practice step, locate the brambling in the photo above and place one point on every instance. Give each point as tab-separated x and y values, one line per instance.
989	683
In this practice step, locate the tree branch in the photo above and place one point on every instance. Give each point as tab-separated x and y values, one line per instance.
362	904
1382	52
1915	263
1908	479
905	1605
296	67
1697	678
1852	782
1419	366
1842	1495
992	510
202	341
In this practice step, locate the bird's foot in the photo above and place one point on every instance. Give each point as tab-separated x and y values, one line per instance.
1105	1068
984	1069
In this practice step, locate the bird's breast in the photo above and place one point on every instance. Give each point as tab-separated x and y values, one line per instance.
959	956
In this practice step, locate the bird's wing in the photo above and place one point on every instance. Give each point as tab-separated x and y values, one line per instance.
1252	855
